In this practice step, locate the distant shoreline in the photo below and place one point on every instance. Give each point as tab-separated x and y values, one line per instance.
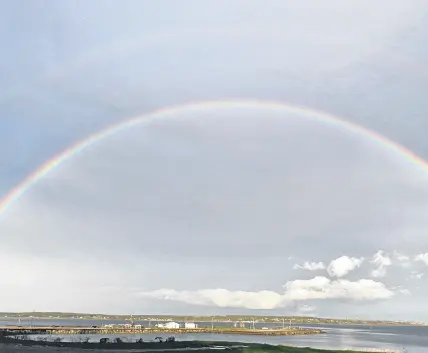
225	320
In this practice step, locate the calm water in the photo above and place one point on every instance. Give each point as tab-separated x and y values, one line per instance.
412	338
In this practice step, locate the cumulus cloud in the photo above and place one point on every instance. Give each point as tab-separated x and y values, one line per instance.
422	258
310	266
221	298
381	261
325	288
317	288
343	265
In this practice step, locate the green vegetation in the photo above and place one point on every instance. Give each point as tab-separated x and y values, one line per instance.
174	346
217	318
283	349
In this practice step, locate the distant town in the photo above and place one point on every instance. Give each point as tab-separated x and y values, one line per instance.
214	318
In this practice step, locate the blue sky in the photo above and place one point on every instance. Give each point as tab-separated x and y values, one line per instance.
227	200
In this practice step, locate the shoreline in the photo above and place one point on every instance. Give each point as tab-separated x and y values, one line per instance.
24	331
295	323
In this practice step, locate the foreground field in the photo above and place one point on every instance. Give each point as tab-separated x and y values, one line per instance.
10	346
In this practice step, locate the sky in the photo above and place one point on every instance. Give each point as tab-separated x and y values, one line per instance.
232	209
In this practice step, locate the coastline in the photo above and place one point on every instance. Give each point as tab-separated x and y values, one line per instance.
206	321
50	330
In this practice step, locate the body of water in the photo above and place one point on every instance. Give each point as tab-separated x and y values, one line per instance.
410	339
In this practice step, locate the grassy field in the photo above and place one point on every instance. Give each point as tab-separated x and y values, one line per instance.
164	347
283	349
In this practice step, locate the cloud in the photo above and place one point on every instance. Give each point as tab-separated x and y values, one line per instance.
325	288
422	258
379	272
221	298
401	257
382	261
343	265
405	291
310	266
401	290
403	260
318	288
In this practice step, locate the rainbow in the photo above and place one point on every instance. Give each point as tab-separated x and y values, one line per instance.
80	146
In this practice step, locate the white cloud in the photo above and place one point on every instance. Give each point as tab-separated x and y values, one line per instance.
423	258
382	261
310	266
318	288
402	259
379	272
343	265
324	288
221	298
401	290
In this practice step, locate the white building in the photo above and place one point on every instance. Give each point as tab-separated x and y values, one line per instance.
172	325
190	325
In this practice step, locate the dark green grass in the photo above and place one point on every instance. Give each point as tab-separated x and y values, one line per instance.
165	347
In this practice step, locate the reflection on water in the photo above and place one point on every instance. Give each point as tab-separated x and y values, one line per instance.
413	338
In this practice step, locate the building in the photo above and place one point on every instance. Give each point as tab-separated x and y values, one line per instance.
190	325
172	325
